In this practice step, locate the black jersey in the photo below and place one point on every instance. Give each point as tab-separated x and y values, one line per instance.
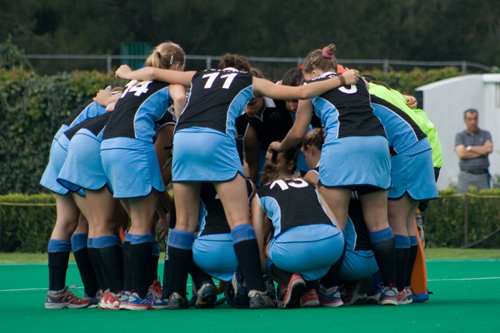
94	125
347	111
89	109
273	124
216	99
212	216
292	202
139	112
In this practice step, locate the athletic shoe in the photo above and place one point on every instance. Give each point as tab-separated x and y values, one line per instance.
206	296
150	302
260	300
405	296
409	292
389	295
310	299
329	297
124	300
357	294
240	299
103	304
65	299
113	301
177	302
156	289
295	290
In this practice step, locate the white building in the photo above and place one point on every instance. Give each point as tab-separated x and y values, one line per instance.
445	101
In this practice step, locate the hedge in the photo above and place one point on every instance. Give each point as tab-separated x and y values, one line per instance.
26	221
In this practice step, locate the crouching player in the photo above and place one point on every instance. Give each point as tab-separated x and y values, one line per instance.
306	241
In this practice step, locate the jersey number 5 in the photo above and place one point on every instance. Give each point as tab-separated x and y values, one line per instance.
213	76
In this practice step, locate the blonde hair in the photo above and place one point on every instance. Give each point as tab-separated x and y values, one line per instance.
166	55
321	59
314	137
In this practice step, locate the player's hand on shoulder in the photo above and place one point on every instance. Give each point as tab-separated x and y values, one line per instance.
122	71
351	76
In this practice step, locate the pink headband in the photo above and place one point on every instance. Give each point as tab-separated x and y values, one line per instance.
326	55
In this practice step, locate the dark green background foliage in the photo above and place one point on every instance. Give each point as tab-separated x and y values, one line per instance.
444	219
26	228
427	30
33	107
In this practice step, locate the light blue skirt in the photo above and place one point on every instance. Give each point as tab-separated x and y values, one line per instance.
83	166
356	160
307	250
131	167
204	154
215	255
58	154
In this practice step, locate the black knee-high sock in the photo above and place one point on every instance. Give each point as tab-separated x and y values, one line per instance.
58	265
153	269
411	264
140	259
402	247
87	273
198	276
402	257
127	273
80	252
180	257
112	259
180	261
95	260
386	260
331	279
247	253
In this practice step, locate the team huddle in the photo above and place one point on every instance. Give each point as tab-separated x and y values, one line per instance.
299	193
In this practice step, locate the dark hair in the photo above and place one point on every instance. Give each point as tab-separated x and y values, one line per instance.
291	154
293	77
322	59
235	61
471	111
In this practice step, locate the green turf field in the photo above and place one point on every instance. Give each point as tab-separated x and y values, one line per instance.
466	299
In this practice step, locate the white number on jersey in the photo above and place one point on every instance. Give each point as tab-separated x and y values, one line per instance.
297	183
212	76
353	89
139	88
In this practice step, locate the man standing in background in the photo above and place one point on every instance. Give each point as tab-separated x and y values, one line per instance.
473	147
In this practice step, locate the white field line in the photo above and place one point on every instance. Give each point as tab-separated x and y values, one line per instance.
465	279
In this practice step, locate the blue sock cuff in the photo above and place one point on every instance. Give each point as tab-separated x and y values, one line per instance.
90	243
413	240
269	262
79	241
156	249
58	245
181	239
106	241
401	242
140	239
128	237
242	232
381	235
